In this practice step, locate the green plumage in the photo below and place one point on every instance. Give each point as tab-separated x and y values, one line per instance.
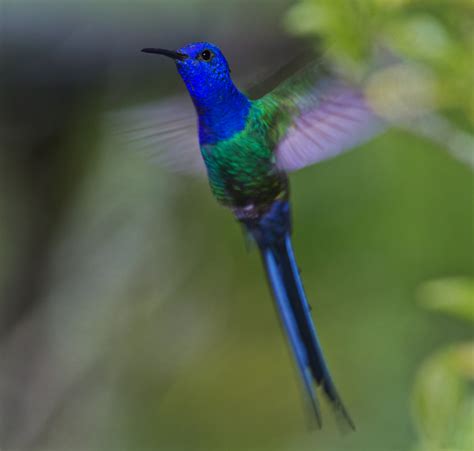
242	170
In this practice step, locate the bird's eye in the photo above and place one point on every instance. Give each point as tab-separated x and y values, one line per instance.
206	55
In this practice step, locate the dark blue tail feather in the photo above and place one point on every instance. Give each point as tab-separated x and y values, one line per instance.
291	327
272	234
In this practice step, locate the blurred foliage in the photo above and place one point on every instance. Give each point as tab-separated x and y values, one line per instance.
443	398
454	295
435	38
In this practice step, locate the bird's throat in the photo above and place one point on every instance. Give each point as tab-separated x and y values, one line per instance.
222	114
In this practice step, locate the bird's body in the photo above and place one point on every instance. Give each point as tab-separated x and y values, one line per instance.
242	168
248	147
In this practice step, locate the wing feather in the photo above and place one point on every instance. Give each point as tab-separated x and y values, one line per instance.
329	116
165	132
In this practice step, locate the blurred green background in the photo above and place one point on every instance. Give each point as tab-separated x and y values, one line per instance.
132	315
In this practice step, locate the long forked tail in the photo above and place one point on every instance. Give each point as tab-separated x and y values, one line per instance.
272	234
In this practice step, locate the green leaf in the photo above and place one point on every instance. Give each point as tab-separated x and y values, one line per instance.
442	402
453	295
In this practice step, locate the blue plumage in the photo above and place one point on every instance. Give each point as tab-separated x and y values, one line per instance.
272	233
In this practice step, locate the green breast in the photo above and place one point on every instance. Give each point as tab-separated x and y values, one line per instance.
242	169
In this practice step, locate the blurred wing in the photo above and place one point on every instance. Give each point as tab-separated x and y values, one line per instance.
166	132
328	117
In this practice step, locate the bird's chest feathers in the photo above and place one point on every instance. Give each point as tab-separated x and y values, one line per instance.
241	169
243	148
240	161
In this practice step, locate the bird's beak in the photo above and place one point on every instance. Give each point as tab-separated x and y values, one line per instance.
168	53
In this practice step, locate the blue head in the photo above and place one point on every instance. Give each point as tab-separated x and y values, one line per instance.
221	107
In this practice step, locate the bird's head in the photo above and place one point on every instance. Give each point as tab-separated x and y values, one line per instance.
203	68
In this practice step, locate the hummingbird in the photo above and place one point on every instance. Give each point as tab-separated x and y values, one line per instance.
249	146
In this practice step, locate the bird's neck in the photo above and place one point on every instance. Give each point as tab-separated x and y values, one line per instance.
222	113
